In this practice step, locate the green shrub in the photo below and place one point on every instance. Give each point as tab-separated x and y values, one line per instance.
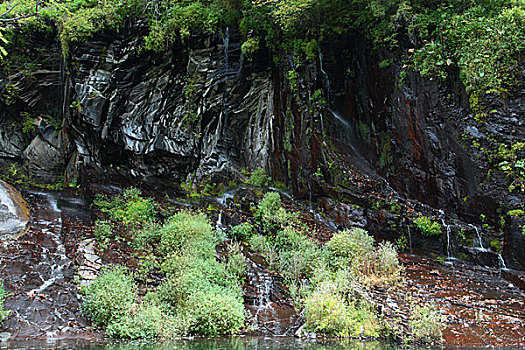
110	297
259	178
350	248
298	255
103	232
236	260
145	322
496	245
293	265
427	226
187	231
289	239
3	295
425	323
386	263
216	310
354	249
242	232
188	275
250	47
270	214
148	237
328	311
129	209
261	245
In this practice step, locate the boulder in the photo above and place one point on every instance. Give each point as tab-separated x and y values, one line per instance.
14	212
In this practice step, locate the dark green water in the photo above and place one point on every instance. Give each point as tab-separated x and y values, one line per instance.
238	343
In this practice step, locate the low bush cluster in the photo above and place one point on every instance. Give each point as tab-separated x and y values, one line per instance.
130	209
259	178
330	281
270	213
110	297
330	311
200	294
427	226
425	323
3	312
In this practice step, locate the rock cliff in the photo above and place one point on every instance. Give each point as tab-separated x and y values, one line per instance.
341	128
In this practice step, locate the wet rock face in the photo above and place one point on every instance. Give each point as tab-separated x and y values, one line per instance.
200	109
424	139
14	213
163	116
39	270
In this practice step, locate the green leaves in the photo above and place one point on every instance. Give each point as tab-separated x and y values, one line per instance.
484	40
427	226
3	51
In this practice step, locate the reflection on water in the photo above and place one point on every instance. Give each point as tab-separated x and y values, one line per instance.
236	343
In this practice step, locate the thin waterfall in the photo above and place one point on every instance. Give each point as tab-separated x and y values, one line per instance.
447	229
502	264
478	235
226	42
326	78
409	239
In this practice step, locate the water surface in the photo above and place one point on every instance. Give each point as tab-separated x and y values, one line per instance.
235	343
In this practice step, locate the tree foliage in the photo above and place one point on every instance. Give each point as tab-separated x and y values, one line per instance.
482	38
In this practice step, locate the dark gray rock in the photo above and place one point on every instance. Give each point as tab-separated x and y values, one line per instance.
43	160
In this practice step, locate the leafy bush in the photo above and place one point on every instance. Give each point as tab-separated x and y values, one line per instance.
187	274
328	311
242	232
425	323
236	260
387	263
217	310
270	214
289	239
350	248
427	226
259	178
298	255
130	209
354	249
3	312
148	237
188	232
110	297
103	232
259	243
145	322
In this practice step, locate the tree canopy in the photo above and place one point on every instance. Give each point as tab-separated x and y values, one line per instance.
483	38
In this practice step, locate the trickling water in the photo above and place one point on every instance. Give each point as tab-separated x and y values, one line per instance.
326	78
50	223
501	262
265	298
409	239
219	225
478	235
447	229
264	316
226	48
346	124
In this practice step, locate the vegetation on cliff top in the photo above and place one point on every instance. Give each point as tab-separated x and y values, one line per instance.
482	38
